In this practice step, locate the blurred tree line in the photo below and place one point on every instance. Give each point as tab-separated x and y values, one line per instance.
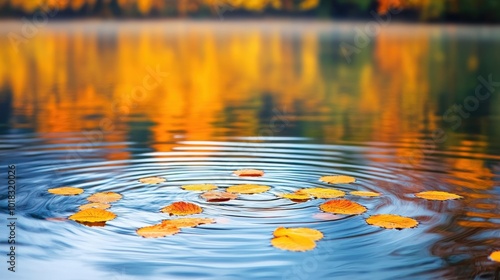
424	10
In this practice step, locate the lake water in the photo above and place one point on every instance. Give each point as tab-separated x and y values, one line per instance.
98	105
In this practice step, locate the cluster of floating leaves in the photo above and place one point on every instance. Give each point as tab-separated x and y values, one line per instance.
291	239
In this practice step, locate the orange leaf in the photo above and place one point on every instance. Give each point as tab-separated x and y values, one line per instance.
65	191
343	206
295	197
218	196
249	173
391	221
94	205
321	192
187	222
93	215
104	197
495	256
152	180
437	195
156	231
365	193
182	209
295	243
337	179
248	189
199	187
310	233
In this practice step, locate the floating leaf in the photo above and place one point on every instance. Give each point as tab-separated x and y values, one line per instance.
495	256
295	243
365	193
152	180
248	189
295	197
437	195
249	173
391	221
199	187
66	191
218	196
343	206
158	230
310	233
94	205
187	222
337	179
93	215
104	197
321	192
182	209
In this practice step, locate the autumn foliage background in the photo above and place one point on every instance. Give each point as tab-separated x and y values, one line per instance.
413	10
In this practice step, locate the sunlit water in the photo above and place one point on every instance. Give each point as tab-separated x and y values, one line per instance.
75	110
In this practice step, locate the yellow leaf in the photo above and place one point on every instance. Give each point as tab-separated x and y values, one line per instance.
295	243
94	205
152	180
495	256
187	222
182	209
104	197
391	221
365	193
310	233
156	231
218	196
295	197
343	206
437	195
248	189
93	215
249	173
321	192
199	187
65	191
337	179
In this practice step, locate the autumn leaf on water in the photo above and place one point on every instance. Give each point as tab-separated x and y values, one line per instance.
218	196
92	215
295	197
295	239
152	180
437	195
337	179
104	197
248	189
187	222
343	206
391	221
182	208
495	256
365	193
94	205
321	192
200	187
156	231
66	191
310	233
249	173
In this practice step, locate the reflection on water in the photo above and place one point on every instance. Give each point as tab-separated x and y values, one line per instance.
98	105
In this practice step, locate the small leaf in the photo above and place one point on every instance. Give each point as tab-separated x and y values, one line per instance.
495	256
218	196
152	180
295	197
94	205
437	195
321	192
248	189
104	197
337	179
156	231
249	173
182	209
343	206
295	243
199	187
310	233
93	215
187	222
365	193
66	191
391	221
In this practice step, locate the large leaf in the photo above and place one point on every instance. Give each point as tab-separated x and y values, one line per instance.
338	179
391	221
218	196
248	189
66	191
343	206
321	192
437	195
182	208
104	197
156	231
93	215
200	187
187	222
